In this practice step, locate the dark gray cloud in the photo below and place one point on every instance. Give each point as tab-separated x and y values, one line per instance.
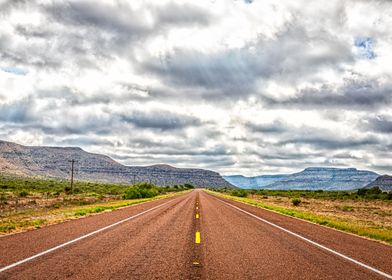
331	144
92	14
173	14
113	28
278	155
275	127
73	97
34	32
353	95
382	124
123	20
21	111
162	120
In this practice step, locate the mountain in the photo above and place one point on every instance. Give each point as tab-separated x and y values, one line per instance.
326	178
55	162
383	182
256	182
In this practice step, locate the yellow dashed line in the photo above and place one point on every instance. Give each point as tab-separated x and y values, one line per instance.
197	207
197	240
197	216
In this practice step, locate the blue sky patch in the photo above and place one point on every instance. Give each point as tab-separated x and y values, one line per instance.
364	46
14	70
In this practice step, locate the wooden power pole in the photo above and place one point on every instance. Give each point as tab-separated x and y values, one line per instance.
72	173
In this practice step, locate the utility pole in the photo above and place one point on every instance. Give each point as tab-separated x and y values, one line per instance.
72	173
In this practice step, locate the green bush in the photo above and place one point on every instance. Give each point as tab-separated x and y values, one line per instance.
296	201
23	193
189	186
141	190
132	193
67	189
371	192
239	193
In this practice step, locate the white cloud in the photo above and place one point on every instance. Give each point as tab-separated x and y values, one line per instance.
238	86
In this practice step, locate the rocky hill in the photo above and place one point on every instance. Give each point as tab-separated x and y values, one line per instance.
322	178
383	182
312	178
55	162
256	182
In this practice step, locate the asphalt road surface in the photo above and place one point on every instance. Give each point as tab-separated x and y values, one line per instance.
192	236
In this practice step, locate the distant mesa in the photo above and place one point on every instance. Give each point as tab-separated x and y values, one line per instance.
256	182
384	182
54	162
311	178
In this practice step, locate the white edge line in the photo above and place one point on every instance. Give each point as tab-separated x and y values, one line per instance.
388	276
78	239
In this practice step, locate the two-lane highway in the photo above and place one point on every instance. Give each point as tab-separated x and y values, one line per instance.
192	236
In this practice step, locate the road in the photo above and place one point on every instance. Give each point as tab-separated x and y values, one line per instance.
191	236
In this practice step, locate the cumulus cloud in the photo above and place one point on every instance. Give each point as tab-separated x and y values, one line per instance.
237	86
238	72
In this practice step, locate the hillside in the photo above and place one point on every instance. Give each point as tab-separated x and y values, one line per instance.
55	162
383	182
322	178
256	182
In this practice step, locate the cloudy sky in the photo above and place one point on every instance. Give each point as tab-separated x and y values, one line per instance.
250	87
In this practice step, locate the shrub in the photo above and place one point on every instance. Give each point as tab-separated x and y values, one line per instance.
23	193
296	201
239	193
147	193
371	192
67	189
141	190
132	193
189	186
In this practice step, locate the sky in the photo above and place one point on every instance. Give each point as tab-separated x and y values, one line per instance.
239	87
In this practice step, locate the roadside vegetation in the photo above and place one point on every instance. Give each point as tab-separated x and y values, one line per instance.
361	194
27	203
365	212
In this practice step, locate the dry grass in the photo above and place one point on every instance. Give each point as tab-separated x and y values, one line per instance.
368	214
46	211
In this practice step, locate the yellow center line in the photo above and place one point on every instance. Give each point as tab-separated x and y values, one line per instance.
197	207
197	240
197	216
